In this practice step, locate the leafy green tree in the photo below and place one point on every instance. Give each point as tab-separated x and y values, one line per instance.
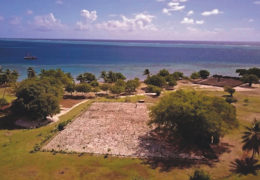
250	79
70	88
7	78
241	72
164	73
112	77
83	88
116	89
177	75
194	117
204	74
131	85
121	83
147	72
105	87
31	73
86	78
199	175
36	99
229	90
156	80
60	77
251	138
254	71
195	75
94	83
154	89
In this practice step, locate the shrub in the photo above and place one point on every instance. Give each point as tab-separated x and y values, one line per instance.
195	75
83	88
70	88
154	89
61	126
104	87
94	83
194	117
3	102
156	80
86	78
204	74
163	73
200	175
229	90
231	100
116	89
131	85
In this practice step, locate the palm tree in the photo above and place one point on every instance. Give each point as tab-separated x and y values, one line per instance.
251	138
31	73
146	72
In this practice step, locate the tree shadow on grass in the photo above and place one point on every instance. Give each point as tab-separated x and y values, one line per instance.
245	166
168	153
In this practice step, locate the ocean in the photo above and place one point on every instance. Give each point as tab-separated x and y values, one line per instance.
128	57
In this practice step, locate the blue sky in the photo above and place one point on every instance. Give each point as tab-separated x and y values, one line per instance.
223	20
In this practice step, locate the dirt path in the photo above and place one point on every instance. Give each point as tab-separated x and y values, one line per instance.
64	111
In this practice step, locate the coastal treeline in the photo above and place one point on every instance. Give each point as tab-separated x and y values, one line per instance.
39	95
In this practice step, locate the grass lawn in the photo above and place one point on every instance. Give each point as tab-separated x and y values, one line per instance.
16	161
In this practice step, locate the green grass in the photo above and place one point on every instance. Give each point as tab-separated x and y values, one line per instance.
9	96
16	161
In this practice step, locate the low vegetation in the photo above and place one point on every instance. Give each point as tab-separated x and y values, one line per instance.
197	118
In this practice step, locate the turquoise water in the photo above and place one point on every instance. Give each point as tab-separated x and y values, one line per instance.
128	57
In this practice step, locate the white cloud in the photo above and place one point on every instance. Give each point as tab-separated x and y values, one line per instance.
213	12
251	20
191	21
1	18
174	5
59	2
29	12
187	21
200	22
140	21
15	20
89	15
190	13
47	22
89	18
257	2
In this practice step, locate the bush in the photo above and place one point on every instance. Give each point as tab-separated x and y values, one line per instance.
163	73
3	102
195	75
231	100
70	88
86	78
200	175
204	74
61	126
194	117
156	80
116	89
229	90
83	88
111	77
131	85
105	87
154	89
